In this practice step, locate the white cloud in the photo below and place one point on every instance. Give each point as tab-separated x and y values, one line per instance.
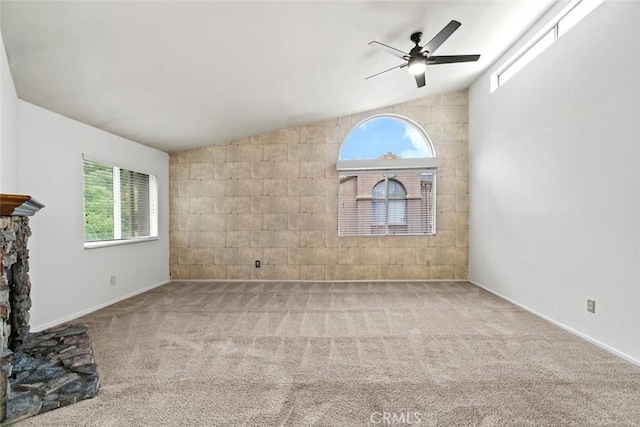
419	149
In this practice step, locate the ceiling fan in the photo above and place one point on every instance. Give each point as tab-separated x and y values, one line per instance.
420	56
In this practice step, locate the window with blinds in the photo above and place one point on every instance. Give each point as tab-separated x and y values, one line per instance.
119	204
372	204
387	180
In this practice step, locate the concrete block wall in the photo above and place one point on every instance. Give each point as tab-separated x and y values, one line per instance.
273	197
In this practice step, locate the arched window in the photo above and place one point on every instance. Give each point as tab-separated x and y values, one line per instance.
383	138
386	179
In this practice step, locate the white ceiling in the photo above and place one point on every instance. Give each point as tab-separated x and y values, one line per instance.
180	74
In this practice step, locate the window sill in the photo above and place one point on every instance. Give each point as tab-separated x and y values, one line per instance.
102	244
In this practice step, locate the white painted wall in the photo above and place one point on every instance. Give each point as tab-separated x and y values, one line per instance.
8	137
67	279
555	181
41	155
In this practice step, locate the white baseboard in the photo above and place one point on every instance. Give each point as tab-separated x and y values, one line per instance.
70	317
592	340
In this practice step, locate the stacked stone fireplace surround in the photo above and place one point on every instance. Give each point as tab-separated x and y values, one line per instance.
38	371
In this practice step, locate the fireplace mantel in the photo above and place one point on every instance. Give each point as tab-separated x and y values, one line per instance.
18	205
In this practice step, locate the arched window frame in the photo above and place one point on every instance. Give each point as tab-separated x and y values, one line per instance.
357	217
388	164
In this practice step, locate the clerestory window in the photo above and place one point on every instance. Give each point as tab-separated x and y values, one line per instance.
573	13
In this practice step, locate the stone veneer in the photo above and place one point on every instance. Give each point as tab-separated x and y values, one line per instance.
38	371
51	369
15	300
273	197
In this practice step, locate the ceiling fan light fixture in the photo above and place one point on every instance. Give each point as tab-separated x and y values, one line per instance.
417	66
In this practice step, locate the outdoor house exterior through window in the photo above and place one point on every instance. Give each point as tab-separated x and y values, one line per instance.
386	183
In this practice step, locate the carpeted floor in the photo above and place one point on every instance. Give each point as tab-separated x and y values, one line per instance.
343	354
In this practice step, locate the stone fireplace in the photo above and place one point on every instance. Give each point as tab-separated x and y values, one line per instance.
38	371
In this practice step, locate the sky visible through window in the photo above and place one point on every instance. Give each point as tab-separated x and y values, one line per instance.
378	136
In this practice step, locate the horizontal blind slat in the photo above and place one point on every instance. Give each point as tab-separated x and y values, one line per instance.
369	206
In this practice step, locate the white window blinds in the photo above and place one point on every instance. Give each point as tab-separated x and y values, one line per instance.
119	204
372	203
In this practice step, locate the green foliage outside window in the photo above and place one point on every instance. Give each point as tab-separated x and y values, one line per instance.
98	202
116	206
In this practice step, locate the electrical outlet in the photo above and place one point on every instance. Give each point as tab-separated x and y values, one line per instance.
112	281
591	306
257	264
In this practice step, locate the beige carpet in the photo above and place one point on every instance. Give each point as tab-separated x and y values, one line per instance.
343	354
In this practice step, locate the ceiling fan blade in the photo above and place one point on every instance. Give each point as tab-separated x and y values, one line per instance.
392	50
421	79
450	59
382	72
440	38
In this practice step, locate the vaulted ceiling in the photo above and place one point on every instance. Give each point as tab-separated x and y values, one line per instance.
180	74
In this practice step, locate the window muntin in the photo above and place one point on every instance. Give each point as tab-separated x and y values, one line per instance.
120	205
